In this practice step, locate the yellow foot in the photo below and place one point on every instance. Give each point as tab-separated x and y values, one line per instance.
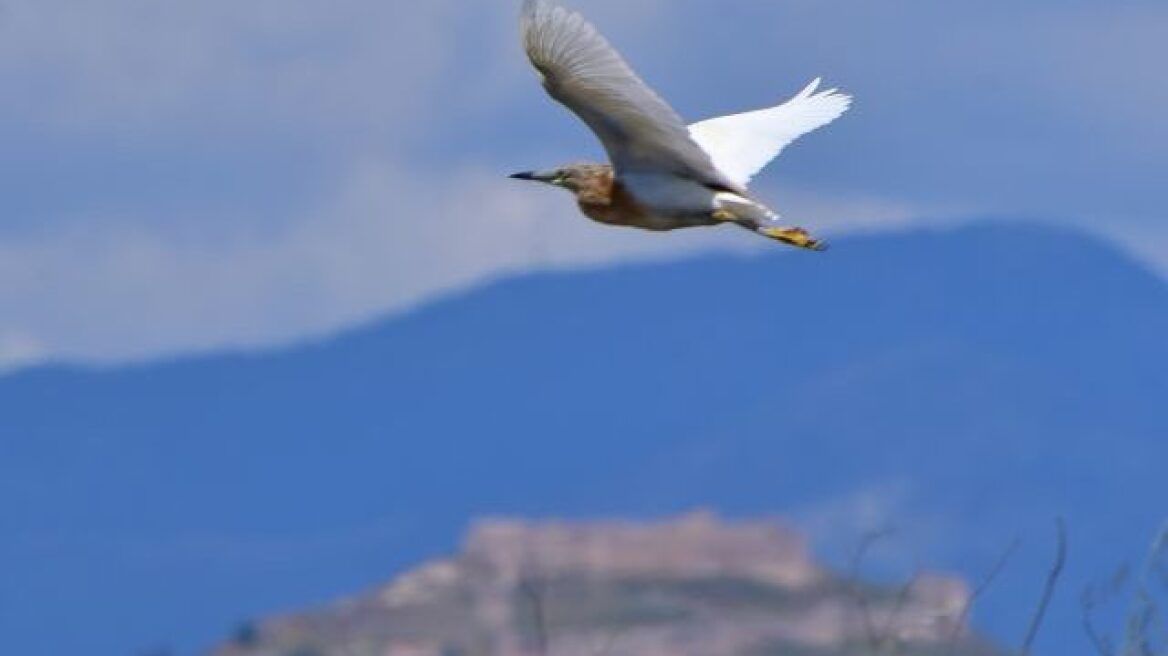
795	237
723	215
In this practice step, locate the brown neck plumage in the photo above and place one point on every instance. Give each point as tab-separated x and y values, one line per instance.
593	184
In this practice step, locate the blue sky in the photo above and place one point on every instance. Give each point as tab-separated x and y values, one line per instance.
184	176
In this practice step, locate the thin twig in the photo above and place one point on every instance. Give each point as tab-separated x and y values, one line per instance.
979	590
535	597
1136	626
1089	601
1052	580
902	596
1162	574
1156	624
609	642
605	647
867	541
1144	614
1147	620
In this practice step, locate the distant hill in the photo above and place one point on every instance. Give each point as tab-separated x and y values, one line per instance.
695	585
997	375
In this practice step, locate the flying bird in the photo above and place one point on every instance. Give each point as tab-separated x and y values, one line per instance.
663	175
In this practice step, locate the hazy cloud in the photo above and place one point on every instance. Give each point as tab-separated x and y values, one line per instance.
386	239
18	350
187	176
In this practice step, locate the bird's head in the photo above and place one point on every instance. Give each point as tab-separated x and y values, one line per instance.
573	177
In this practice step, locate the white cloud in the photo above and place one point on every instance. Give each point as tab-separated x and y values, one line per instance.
19	350
1150	245
398	100
387	239
348	72
175	65
832	213
846	519
383	232
882	523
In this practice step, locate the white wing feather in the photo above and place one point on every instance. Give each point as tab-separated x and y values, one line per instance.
741	145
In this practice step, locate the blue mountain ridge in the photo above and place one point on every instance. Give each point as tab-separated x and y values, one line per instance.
1001	374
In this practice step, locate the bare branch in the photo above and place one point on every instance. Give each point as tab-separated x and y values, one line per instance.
1144	617
902	596
1162	574
1156	625
1089	601
1052	580
1144	621
610	640
533	589
1158	561
980	589
867	542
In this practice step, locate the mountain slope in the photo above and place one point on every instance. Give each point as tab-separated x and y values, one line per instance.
1001	374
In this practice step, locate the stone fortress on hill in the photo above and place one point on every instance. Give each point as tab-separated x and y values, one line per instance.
693	585
695	546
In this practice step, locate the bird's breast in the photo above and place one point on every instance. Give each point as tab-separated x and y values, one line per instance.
615	207
651	202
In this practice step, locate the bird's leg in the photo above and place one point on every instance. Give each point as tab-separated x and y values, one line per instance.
732	208
793	236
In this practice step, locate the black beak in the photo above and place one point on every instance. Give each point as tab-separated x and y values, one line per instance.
538	176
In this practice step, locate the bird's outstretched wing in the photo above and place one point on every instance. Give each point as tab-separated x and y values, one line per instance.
743	144
640	132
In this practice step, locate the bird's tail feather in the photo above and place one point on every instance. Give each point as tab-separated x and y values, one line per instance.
744	209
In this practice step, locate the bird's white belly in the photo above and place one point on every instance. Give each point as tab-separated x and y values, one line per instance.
671	202
669	195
